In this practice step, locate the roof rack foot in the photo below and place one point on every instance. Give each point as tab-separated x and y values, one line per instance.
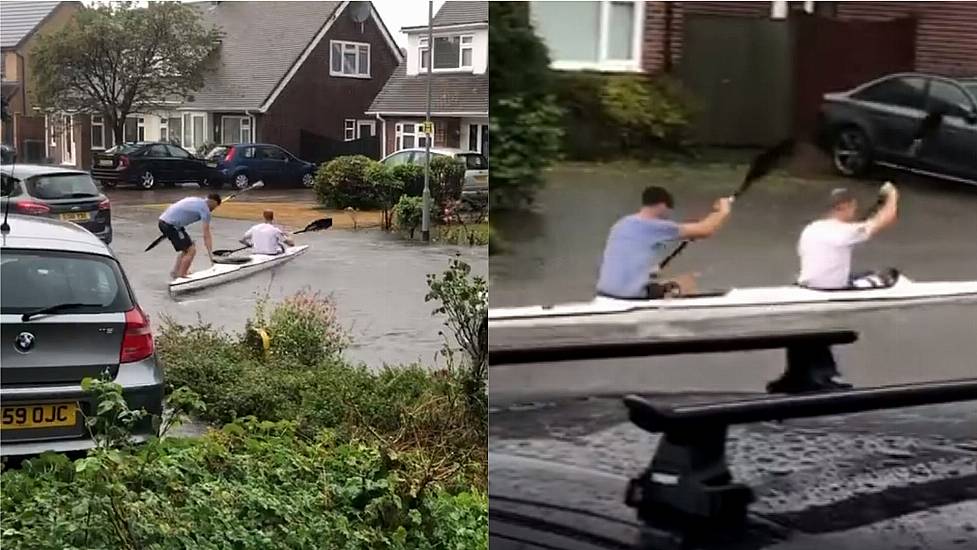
688	487
810	368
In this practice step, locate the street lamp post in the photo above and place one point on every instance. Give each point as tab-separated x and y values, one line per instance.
428	128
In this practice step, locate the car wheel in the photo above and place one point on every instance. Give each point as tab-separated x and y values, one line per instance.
852	152
241	181
148	180
211	183
108	184
308	180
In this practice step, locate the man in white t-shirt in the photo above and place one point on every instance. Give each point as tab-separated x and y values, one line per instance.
267	238
825	246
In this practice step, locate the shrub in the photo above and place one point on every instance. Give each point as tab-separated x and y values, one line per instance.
387	190
303	327
408	213
653	111
447	179
412	176
343	182
524	120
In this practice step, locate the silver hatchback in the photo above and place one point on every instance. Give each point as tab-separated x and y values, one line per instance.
67	312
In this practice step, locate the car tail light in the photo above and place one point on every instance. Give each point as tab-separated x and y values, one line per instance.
123	162
137	342
230	154
32	208
105	205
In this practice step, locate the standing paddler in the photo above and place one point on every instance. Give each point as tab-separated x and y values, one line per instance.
173	225
637	244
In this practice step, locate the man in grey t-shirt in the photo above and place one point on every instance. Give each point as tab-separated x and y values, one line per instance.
637	244
173	224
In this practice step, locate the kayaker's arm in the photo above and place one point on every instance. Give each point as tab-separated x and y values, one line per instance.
208	241
707	226
886	215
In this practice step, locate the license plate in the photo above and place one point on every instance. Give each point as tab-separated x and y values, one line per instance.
51	415
76	217
481	179
105	162
212	164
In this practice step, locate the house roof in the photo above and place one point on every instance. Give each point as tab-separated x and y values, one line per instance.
457	13
261	43
19	19
450	93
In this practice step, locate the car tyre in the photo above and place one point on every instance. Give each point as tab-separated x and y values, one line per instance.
851	152
241	181
147	180
308	180
107	184
211	183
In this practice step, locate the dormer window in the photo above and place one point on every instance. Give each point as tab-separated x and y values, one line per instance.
451	52
349	59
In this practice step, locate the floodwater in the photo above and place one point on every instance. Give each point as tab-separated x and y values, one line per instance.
554	253
377	281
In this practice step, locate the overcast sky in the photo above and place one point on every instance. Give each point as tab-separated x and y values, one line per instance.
397	14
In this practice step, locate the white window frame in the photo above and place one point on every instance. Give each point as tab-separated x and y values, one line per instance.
188	131
416	133
349	129
99	122
422	48
355	46
604	63
244	125
365	122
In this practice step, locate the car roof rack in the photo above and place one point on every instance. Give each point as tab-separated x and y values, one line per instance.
688	491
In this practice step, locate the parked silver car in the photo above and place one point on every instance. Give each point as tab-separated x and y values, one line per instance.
476	166
67	312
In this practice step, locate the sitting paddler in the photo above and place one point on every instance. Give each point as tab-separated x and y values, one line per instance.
637	244
266	237
173	224
825	246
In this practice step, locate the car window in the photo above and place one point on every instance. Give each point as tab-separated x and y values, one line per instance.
62	186
60	278
156	151
124	148
217	153
271	153
9	186
948	98
904	91
396	159
420	157
474	161
177	152
971	87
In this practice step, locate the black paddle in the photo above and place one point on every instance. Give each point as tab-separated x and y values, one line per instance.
929	125
255	185
762	165
318	225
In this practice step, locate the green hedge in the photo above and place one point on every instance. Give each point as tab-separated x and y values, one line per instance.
611	116
365	184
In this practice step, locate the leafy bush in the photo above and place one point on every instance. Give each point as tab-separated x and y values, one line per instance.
447	179
412	176
343	182
524	120
409	212
302	327
387	190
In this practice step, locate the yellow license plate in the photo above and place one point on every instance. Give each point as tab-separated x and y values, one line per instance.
76	217
50	415
481	178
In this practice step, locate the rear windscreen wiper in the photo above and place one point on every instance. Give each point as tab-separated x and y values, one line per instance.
55	309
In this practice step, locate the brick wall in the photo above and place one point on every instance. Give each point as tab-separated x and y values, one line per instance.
946	33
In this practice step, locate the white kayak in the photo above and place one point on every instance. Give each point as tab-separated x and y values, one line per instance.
220	273
738	302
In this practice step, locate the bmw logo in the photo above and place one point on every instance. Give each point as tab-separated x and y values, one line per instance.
24	342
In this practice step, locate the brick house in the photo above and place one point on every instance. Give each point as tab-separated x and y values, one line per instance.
284	71
640	36
459	84
21	23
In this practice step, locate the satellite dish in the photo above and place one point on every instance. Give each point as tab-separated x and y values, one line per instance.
359	11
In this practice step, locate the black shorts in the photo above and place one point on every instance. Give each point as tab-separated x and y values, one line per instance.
177	236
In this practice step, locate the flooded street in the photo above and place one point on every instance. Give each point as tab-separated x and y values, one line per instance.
377	280
553	256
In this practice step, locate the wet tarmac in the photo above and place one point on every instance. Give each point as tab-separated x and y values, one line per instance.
377	280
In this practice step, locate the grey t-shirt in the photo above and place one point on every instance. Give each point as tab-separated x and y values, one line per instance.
186	211
634	248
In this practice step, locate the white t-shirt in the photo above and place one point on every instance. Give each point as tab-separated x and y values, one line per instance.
825	250
265	238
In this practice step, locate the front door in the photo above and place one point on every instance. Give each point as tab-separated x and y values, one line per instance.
477	138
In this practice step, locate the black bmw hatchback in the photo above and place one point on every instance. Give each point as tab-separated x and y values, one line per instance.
55	192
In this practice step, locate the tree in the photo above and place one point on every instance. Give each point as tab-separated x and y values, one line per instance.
525	125
115	59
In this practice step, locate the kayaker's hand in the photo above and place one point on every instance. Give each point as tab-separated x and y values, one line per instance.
889	190
724	206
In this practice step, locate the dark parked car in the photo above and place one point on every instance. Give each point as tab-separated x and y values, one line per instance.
148	165
67	313
875	123
56	192
7	154
243	164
